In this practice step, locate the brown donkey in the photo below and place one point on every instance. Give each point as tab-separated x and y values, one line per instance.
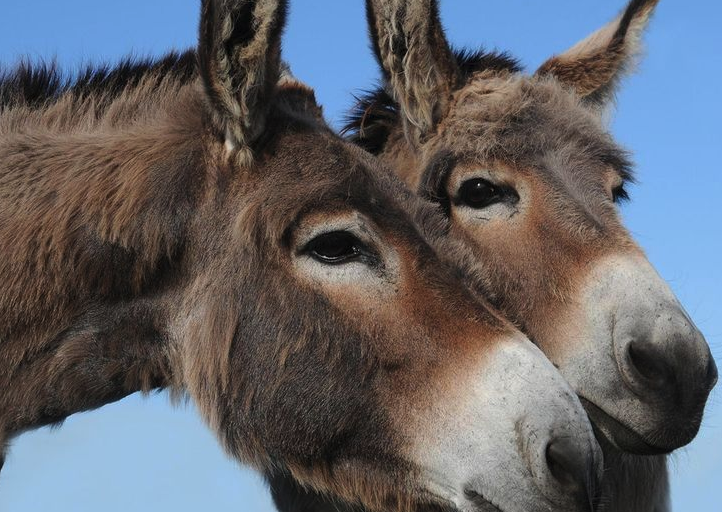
527	175
205	231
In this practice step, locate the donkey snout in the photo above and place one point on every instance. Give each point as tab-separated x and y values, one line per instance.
665	360
568	466
668	359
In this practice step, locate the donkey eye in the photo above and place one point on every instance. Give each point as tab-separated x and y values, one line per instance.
335	247
479	193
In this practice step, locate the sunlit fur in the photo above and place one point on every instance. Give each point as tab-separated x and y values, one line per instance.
149	229
544	136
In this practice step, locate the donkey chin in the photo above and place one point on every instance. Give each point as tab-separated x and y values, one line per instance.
631	329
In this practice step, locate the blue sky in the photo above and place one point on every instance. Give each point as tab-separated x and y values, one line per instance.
143	454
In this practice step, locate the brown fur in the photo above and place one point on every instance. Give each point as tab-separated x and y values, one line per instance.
542	134
140	252
402	34
594	66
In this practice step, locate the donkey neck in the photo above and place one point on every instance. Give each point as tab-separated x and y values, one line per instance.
92	227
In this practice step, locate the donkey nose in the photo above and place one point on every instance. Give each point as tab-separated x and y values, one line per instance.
574	470
670	361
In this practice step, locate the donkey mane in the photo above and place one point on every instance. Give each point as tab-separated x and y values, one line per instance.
371	119
105	231
38	85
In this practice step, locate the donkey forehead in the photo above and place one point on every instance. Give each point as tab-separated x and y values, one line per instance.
308	161
534	123
315	175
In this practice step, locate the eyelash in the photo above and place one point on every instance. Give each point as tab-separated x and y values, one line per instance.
357	250
620	194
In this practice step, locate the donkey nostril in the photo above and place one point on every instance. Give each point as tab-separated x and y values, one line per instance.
556	460
649	364
571	468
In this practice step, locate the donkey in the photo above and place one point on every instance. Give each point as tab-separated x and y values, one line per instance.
200	228
527	175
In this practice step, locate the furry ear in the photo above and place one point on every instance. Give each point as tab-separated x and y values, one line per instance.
594	66
239	56
419	67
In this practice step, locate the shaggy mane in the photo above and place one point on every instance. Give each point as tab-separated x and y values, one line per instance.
375	113
40	84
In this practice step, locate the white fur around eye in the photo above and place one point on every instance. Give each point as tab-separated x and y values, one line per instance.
502	211
354	276
355	272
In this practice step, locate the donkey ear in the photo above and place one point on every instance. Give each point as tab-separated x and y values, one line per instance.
419	67
594	66
239	55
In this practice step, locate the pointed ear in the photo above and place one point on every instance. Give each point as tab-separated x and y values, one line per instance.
419	67
594	66
239	55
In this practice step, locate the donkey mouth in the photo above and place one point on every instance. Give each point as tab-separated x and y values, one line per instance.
617	434
481	504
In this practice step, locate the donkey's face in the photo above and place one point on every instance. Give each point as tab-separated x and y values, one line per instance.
319	310
534	196
314	307
529	177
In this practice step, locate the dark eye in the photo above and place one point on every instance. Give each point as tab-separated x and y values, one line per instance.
479	193
619	194
335	247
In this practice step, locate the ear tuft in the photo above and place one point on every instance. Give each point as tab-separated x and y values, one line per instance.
239	54
418	64
594	66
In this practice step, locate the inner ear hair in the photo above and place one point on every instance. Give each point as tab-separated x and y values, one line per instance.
419	67
239	57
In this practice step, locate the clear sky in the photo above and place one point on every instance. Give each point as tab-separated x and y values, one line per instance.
143	454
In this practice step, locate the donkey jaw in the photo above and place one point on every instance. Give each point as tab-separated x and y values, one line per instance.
641	366
487	446
620	436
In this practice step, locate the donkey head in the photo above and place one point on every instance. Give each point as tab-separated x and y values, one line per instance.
529	177
319	330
